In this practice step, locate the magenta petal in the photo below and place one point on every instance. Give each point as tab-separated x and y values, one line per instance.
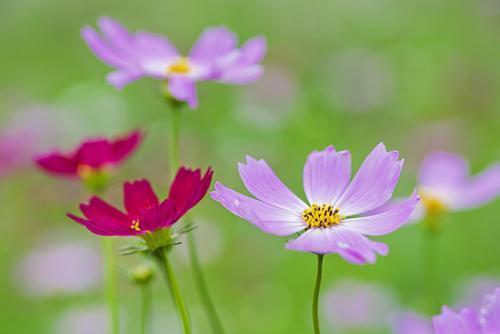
107	217
159	216
183	89
139	196
352	246
58	164
124	146
241	75
489	315
212	44
268	218
326	175
121	78
373	184
95	227
443	168
102	50
261	181
480	190
449	322
188	188
253	51
384	221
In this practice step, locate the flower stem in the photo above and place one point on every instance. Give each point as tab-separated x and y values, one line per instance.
146	303
430	251
110	283
209	306
171	281
317	287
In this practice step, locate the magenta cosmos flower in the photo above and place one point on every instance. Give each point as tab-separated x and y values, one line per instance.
145	214
445	185
215	56
485	321
91	156
339	214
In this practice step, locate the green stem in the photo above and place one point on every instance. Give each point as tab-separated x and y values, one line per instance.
203	290
146	303
317	287
171	281
209	306
110	283
430	251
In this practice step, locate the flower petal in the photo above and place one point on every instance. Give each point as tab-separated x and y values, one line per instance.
480	190
443	168
241	75
326	175
188	188
385	220
261	181
183	89
139	196
489	315
102	50
58	164
212	44
124	146
269	219
115	33
352	246
121	78
95	153
373	184
158	216
449	322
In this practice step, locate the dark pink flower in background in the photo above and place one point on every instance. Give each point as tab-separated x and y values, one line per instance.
144	213
341	212
91	156
215	56
484	321
444	184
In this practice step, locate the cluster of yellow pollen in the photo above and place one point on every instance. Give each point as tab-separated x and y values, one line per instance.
85	171
135	225
432	205
321	215
180	66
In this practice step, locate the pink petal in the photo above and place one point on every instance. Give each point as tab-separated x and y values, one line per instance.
384	221
268	218
489	315
443	168
449	322
261	181
58	164
102	50
107	217
183	89
139	196
481	189
160	216
212	44
373	184
188	188
121	78
352	246
126	145
326	175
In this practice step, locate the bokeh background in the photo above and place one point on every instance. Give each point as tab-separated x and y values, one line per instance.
418	76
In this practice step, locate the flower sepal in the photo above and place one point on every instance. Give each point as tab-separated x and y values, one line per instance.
96	180
142	274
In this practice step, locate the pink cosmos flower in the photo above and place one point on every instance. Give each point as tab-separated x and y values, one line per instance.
445	184
145	214
486	321
91	156
339	214
215	56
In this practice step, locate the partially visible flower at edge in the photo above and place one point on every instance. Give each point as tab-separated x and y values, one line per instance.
145	215
444	184
215	56
468	321
340	212
92	159
411	323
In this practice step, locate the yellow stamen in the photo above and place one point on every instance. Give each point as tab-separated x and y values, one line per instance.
321	216
85	171
433	205
135	225
180	66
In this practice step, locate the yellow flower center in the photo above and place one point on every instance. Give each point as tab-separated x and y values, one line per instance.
180	66
135	225
433	205
321	216
85	171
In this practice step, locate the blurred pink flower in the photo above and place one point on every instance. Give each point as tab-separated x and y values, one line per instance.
85	320
58	268
444	184
358	305
215	56
412	323
472	291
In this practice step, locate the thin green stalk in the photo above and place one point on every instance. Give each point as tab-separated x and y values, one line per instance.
213	317
317	287
430	251
110	283
203	290
146	305
171	281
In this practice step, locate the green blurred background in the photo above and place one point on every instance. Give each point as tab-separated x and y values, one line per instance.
416	75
